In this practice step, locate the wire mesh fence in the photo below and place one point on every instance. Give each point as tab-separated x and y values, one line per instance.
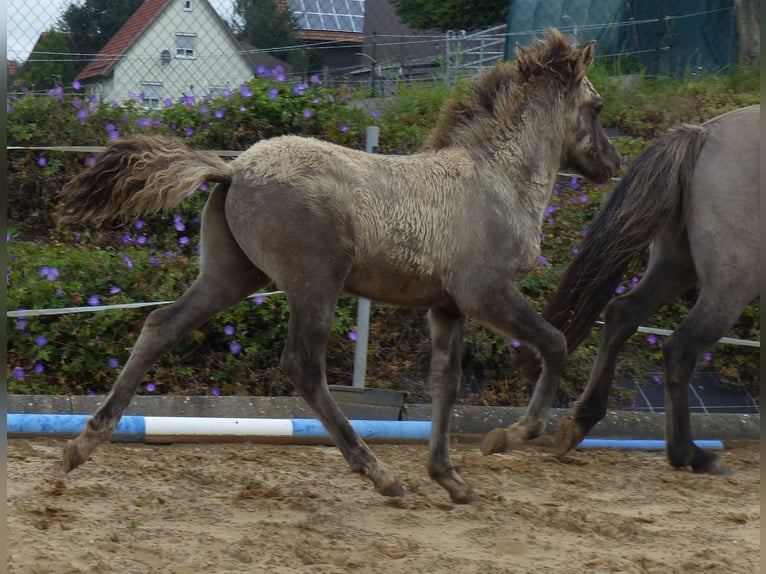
179	48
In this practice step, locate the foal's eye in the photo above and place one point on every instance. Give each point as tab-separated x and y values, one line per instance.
598	108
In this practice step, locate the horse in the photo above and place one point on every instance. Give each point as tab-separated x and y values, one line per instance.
692	196
450	228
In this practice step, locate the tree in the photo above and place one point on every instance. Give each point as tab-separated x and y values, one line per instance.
446	15
262	24
50	64
90	24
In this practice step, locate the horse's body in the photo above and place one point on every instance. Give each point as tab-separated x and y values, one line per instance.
694	195
452	228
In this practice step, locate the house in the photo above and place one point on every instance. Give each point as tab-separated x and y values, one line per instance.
170	49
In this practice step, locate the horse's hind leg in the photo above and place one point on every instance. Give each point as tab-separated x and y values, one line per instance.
669	274
507	311
226	277
303	361
444	379
708	321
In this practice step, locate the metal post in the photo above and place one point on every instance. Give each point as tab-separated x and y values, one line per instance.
363	307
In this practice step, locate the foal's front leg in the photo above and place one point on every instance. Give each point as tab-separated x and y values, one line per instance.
444	380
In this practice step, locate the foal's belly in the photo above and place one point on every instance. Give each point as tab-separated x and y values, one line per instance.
398	287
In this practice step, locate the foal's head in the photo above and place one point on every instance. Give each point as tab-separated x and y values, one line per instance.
585	147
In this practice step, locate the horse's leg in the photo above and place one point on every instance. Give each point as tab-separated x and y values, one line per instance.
669	274
709	319
510	313
447	329
303	361
226	277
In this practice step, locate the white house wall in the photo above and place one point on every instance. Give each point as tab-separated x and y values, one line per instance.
216	65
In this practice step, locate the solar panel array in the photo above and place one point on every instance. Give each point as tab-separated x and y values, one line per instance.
329	15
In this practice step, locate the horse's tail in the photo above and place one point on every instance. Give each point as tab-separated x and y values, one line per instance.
652	195
143	174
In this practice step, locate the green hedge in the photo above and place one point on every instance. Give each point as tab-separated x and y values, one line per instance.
238	351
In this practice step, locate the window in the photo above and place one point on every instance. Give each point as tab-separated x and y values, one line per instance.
187	5
151	95
185	44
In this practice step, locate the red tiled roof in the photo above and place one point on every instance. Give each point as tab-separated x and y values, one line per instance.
12	67
330	36
119	43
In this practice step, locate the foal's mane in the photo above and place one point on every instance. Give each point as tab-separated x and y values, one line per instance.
496	97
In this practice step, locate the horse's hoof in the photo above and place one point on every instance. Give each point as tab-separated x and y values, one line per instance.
711	464
568	435
464	496
395	490
72	456
495	440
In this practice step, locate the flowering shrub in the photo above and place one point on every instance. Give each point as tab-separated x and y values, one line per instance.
237	352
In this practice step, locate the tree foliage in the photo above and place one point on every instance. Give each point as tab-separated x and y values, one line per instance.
47	66
446	15
90	24
262	24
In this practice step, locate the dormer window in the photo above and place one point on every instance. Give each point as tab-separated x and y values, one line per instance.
187	5
186	46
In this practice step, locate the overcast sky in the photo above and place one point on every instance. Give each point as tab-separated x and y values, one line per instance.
26	19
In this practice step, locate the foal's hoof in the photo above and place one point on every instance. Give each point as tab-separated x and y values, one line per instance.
710	464
495	440
459	490
73	457
568	435
503	440
395	490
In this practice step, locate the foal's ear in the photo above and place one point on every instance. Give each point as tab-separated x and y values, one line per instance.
585	60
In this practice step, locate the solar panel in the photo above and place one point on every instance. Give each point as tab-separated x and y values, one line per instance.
330	15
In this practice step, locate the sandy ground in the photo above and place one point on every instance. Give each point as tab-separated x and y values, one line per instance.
212	508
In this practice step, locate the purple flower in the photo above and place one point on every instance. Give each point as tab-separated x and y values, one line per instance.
144	122
18	373
203	110
514	343
41	161
575	250
549	210
657	378
76	84
235	347
183	240
167	102
651	339
259	299
229	329
127	238
39	368
314	79
41	341
91	394
219	113
59	92
141	240
115	135
299	90
154	261
261	70
189	132
114	290
343	129
542	261
708	357
21	323
179	225
91	161
584	198
273	93
226	93
633	282
94	300
244	91
574	183
634	407
81	115
150	387
113	363
215	391
50	273
138	224
619	289
307	114
128	262
352	334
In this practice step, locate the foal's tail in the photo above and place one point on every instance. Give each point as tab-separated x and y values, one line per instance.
143	174
652	195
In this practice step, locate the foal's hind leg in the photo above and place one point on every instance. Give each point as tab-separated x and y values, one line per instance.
670	273
303	361
444	379
226	277
511	314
